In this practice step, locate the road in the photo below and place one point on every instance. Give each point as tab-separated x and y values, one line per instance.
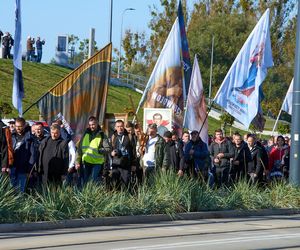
268	232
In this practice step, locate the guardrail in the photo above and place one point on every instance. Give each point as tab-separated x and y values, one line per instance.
131	80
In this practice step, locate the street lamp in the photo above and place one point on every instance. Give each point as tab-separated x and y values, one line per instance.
120	53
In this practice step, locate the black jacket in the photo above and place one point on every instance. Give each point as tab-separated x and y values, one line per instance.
255	165
243	155
224	147
24	153
176	155
124	146
59	163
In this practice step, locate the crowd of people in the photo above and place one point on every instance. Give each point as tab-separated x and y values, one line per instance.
33	157
33	54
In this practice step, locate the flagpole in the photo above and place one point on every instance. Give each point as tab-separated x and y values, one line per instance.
211	66
294	177
276	122
209	109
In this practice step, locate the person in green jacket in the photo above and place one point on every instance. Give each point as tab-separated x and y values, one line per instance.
91	151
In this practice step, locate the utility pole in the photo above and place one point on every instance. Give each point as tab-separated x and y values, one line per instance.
111	16
295	147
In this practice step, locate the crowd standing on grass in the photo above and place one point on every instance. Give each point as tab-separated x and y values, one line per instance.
33	157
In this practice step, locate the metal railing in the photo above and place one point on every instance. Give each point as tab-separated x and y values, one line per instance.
131	80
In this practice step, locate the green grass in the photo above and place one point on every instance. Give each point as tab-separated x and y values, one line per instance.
168	194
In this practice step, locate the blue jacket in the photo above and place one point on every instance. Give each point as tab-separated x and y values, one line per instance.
24	153
201	154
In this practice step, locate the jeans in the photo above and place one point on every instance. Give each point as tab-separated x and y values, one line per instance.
18	180
39	55
29	55
91	172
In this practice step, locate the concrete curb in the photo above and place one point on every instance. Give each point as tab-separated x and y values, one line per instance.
139	219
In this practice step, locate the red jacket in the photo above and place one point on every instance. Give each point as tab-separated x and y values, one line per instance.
276	155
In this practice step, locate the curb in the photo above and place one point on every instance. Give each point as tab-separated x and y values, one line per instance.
140	219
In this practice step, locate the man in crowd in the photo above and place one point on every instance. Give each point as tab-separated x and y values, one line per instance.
155	155
242	156
38	134
39	48
122	155
92	150
53	157
255	166
136	170
221	151
197	156
24	154
175	153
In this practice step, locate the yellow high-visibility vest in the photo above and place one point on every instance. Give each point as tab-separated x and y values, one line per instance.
90	150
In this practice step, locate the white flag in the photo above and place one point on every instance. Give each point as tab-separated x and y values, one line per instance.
165	86
240	93
287	103
195	113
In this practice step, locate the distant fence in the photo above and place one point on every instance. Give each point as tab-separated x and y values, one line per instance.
132	81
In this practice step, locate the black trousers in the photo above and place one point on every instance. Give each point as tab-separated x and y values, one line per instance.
221	176
120	177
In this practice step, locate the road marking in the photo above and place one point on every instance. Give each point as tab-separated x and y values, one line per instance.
214	242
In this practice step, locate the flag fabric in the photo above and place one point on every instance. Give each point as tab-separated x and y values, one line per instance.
81	94
165	86
195	113
287	103
240	93
186	61
18	86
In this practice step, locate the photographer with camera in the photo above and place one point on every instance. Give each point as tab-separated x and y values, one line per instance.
39	48
122	155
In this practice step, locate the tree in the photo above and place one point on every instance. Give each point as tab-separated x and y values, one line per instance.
227	120
284	128
136	52
5	109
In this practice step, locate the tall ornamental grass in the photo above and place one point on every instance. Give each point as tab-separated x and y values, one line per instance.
165	194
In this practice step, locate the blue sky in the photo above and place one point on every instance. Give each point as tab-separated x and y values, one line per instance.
50	18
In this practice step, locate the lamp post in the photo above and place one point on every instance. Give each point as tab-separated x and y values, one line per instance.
110	23
120	53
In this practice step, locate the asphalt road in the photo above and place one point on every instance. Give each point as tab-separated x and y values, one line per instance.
268	232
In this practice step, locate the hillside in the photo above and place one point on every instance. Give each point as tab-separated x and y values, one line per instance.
38	78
